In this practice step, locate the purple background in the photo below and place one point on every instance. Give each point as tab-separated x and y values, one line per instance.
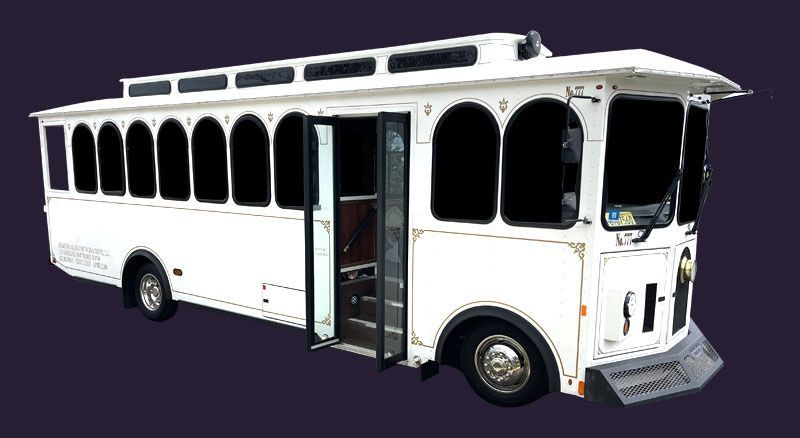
74	360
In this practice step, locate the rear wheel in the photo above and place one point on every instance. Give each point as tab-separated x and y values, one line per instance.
152	294
502	365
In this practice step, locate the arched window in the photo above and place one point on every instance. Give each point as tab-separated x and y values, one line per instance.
84	166
289	162
209	162
540	177
173	161
111	158
250	162
466	145
141	161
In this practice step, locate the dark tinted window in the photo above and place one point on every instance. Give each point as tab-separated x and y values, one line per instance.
173	161
110	156
537	187
289	162
433	59
250	162
465	153
84	170
257	78
339	69
209	161
56	157
694	160
204	83
141	160
149	88
357	146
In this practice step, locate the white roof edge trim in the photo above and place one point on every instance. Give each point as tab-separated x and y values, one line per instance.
540	68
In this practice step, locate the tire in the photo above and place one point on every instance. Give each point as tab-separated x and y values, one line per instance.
152	293
508	382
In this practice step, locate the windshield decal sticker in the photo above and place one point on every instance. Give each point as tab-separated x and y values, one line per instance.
616	218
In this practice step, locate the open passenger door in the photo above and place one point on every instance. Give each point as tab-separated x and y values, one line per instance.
392	238
321	191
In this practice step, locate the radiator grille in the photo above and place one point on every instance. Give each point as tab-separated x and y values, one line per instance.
700	360
652	378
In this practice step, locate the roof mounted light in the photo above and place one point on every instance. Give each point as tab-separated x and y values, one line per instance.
531	46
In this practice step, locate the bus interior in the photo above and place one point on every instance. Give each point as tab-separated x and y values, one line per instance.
356	299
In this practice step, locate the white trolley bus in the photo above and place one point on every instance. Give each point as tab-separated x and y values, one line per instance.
475	202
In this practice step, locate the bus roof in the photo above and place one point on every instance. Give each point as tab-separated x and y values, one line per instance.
497	60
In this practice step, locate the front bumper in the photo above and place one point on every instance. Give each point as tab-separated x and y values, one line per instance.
684	369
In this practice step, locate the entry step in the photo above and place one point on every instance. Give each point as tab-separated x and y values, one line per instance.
365	322
371	299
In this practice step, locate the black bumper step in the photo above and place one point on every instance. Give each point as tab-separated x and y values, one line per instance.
684	369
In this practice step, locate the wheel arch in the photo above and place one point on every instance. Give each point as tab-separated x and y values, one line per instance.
450	337
135	259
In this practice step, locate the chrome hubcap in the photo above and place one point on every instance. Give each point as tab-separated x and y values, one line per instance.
150	290
502	363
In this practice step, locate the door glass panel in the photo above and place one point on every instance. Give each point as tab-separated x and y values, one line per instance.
393	237
321	210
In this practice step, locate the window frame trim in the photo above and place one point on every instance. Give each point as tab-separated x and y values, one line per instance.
152	153
579	174
232	189
679	197
122	163
498	145
193	167
45	146
634	96
178	123
275	161
94	159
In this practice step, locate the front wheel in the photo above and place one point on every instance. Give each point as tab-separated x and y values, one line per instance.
502	365
153	295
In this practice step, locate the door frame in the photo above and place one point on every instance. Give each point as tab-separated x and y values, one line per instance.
380	277
308	125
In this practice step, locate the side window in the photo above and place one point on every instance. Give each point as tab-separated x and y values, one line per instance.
173	161
111	159
250	162
84	166
694	161
56	157
466	146
209	162
141	161
540	177
289	162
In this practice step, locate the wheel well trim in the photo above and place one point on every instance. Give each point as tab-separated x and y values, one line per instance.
151	256
520	322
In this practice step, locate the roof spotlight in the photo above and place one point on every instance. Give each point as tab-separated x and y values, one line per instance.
530	46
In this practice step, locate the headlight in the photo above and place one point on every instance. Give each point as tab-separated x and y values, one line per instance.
629	308
688	269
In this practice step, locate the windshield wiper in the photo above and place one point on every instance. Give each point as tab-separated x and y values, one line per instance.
703	196
644	234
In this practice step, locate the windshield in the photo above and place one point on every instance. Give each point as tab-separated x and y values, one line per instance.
643	150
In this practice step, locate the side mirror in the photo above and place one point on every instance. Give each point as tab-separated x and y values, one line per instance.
572	148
